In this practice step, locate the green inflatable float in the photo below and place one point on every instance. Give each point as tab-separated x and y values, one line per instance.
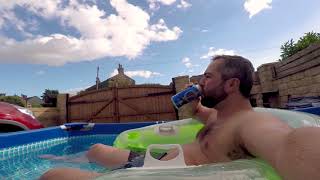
185	131
175	132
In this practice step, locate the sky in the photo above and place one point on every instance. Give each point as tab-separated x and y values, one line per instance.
58	44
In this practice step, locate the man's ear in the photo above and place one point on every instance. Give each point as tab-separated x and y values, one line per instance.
232	85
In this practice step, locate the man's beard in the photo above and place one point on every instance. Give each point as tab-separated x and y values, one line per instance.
211	102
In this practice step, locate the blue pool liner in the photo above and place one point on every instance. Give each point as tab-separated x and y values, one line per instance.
73	129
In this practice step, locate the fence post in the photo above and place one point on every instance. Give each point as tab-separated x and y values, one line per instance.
62	105
180	83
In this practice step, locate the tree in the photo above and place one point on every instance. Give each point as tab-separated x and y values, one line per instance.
13	100
289	48
307	39
49	98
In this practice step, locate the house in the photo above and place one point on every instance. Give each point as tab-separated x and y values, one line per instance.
119	80
34	101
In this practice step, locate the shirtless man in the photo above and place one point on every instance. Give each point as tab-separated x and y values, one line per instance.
235	132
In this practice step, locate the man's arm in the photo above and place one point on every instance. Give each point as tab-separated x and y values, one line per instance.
294	153
202	113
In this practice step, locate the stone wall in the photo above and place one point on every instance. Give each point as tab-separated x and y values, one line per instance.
180	84
296	76
62	102
302	84
47	116
52	116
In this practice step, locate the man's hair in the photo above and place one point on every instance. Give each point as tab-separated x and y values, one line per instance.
237	67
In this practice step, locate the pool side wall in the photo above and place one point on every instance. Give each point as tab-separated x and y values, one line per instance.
26	137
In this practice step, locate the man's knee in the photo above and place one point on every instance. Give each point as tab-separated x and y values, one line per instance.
94	149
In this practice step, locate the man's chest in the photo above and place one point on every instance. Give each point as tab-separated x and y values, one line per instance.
219	143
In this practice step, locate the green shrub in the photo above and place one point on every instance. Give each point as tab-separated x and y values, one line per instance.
50	98
289	48
13	100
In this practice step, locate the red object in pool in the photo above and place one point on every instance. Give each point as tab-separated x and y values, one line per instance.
16	118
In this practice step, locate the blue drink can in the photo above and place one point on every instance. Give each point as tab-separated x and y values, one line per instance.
186	96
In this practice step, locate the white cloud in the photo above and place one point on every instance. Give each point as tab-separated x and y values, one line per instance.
115	72
33	25
8	18
155	4
204	30
256	6
187	62
214	52
45	8
74	91
41	72
160	32
184	4
188	65
126	33
140	73
167	2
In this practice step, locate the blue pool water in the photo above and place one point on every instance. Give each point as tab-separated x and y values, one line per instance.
23	162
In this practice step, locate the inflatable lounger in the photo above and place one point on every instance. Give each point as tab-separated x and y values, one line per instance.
184	131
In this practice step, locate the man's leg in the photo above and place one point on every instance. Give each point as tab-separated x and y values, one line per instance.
72	159
68	174
101	154
107	156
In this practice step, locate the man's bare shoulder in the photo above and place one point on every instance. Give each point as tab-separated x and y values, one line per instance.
262	134
260	123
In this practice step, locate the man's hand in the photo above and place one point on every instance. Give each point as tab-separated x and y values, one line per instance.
196	110
204	114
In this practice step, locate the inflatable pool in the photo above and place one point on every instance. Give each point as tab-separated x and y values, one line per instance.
19	152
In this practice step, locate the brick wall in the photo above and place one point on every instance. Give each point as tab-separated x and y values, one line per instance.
47	116
180	84
296	76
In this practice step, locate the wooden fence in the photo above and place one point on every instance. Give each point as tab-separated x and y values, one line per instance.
128	104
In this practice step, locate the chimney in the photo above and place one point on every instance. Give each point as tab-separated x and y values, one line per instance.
120	69
97	79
